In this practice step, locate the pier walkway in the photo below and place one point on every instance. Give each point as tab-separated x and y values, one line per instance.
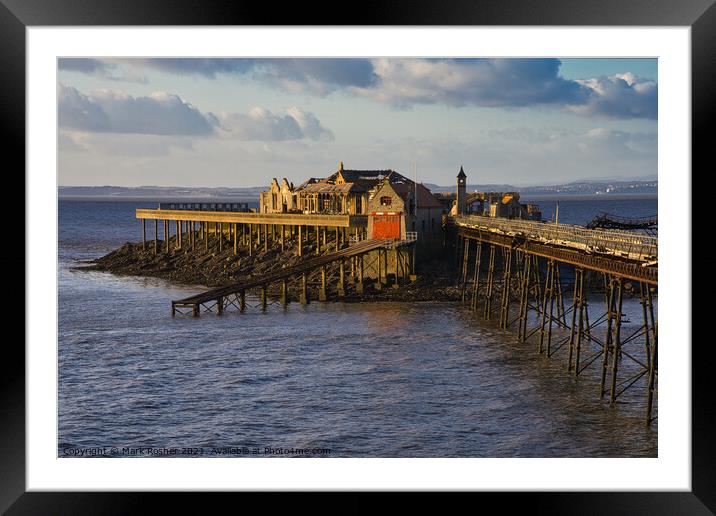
234	295
627	254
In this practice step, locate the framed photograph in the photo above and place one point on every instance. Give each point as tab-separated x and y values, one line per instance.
419	252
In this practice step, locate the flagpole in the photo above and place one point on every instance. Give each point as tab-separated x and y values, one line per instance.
556	218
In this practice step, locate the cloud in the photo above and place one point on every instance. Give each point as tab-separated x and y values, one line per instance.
166	114
313	75
160	113
82	64
104	68
405	82
316	76
261	124
207	67
509	83
122	144
482	82
620	96
310	125
78	111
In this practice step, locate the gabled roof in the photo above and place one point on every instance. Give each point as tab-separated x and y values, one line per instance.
357	181
425	198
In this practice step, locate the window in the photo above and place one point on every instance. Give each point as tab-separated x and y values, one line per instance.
386	200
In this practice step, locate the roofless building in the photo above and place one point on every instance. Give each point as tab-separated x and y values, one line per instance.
394	204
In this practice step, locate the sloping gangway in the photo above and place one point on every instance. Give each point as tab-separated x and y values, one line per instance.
234	295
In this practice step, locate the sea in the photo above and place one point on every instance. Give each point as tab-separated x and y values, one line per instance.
382	379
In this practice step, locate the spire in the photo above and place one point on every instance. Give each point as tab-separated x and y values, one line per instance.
461	173
340	166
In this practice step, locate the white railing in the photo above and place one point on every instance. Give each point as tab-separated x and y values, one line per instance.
603	241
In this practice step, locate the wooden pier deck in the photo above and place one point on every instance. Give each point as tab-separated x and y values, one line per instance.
255	228
237	217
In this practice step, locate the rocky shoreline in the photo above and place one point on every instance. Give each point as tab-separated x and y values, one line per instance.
213	268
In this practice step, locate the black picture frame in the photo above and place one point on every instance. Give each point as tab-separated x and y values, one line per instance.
17	15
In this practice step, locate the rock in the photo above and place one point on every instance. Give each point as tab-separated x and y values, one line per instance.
435	278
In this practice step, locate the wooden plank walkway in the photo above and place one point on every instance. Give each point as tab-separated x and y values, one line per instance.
287	219
216	294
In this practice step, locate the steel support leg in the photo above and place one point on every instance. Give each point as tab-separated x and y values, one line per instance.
463	273
476	275
490	283
548	301
506	280
576	326
524	297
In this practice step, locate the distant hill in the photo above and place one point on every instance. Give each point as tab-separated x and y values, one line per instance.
160	192
249	194
573	188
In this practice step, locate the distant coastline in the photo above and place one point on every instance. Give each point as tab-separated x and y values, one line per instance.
146	198
585	197
253	203
591	190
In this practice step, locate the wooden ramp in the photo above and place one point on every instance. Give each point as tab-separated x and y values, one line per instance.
234	295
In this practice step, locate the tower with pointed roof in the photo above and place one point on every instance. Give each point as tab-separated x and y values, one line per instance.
461	192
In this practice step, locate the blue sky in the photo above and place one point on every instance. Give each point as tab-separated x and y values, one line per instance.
240	122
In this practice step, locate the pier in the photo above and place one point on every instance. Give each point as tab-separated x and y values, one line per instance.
534	277
252	230
560	287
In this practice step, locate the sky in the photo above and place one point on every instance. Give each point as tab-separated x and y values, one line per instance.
206	122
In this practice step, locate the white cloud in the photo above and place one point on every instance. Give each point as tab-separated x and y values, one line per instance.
459	82
166	114
260	124
620	96
160	113
404	82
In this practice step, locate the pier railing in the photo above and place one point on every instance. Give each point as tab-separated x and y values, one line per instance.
612	242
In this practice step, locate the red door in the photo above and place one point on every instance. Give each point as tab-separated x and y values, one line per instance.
386	225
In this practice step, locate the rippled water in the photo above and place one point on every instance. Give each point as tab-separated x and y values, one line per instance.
363	380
